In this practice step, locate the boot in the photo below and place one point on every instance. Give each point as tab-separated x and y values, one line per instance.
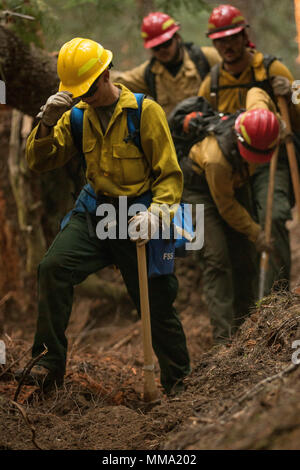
41	377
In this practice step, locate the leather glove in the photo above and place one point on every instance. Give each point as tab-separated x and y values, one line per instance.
281	85
56	105
142	227
191	121
261	243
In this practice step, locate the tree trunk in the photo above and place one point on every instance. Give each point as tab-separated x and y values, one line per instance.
30	76
29	73
29	209
11	272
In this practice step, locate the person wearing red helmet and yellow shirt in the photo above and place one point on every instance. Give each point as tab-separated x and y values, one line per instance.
226	88
216	174
175	70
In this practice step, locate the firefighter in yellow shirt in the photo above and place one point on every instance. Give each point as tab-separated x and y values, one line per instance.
226	89
114	167
217	173
175	70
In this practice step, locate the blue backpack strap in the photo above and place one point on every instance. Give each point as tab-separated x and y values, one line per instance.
85	200
76	119
134	121
133	125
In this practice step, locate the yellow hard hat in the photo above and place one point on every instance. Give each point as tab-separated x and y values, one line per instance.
80	62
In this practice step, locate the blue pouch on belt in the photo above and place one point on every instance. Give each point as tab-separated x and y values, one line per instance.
161	252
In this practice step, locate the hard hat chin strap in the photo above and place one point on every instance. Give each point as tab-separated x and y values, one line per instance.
254	149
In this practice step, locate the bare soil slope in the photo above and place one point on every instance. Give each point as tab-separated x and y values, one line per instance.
244	396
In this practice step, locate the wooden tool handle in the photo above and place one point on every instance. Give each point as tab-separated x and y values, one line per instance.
150	388
264	260
290	148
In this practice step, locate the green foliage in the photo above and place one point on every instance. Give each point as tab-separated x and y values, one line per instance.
276	31
102	5
191	6
30	31
171	6
116	24
75	3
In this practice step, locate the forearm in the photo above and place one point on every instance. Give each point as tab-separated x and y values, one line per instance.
220	183
168	189
278	69
239	219
258	98
48	148
43	131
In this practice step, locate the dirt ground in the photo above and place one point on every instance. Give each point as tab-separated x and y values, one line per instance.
241	396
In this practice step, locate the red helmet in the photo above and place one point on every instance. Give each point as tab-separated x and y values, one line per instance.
158	28
225	20
258	135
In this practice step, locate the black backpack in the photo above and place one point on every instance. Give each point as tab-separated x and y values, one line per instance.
264	84
205	121
197	56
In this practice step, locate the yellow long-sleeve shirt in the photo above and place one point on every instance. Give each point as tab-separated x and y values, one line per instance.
221	180
114	167
170	90
231	100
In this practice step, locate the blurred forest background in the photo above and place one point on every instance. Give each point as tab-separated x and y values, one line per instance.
31	34
105	347
116	24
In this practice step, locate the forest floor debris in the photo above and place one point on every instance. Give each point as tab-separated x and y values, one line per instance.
238	396
244	395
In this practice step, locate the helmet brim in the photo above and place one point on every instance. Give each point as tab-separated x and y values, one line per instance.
148	44
226	32
79	90
253	157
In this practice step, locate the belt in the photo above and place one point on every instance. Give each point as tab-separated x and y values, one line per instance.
114	201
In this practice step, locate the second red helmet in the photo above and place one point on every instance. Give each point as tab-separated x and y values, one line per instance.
258	135
158	28
225	20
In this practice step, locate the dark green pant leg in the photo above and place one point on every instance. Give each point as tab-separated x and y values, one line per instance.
217	275
70	259
244	259
279	261
168	338
216	265
169	342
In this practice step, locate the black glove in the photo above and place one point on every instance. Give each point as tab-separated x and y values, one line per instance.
261	243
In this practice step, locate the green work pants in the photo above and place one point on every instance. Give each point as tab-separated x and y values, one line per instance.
229	265
278	273
70	259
